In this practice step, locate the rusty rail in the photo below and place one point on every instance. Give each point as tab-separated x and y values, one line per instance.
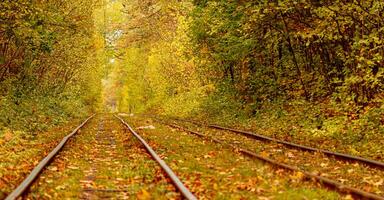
42	164
307	148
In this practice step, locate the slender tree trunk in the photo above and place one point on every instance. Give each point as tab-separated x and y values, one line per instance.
232	73
294	59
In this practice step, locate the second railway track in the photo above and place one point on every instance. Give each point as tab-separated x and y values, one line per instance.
363	180
344	156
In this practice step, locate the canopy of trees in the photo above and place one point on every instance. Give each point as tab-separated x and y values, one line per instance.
191	56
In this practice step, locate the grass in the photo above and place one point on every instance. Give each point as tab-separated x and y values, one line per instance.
304	194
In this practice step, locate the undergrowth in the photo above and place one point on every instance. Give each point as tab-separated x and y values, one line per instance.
32	112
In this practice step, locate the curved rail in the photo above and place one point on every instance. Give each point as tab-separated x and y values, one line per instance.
175	180
338	186
42	164
370	162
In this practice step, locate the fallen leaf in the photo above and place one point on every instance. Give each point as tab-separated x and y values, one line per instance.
143	195
53	168
8	136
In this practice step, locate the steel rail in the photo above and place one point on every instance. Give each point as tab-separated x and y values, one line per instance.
175	180
370	162
337	185
307	148
42	164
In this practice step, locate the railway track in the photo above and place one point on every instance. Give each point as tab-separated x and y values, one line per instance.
105	138
101	139
366	161
287	159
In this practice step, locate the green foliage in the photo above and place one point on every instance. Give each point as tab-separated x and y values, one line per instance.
293	49
48	58
222	106
35	111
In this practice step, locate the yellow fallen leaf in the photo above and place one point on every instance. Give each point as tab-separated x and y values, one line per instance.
143	195
348	197
379	183
8	136
72	167
207	156
323	164
53	168
264	154
298	176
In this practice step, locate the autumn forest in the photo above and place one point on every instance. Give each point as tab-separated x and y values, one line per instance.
263	99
